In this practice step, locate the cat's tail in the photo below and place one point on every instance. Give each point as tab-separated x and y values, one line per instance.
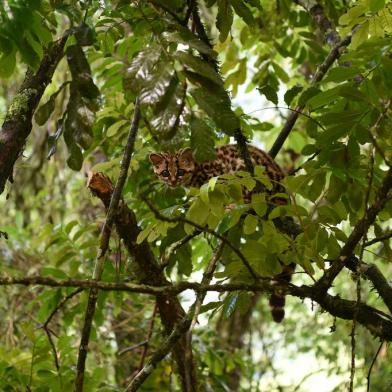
278	300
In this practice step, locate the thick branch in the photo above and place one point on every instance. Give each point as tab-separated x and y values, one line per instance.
149	271
360	229
18	121
371	272
376	321
103	247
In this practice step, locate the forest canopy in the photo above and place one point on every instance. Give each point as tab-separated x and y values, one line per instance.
112	280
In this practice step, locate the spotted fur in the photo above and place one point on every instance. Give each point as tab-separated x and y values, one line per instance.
182	169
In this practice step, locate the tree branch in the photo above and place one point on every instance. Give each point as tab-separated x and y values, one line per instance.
149	271
377	322
181	219
372	273
18	121
322	69
325	26
159	354
360	229
103	247
384	237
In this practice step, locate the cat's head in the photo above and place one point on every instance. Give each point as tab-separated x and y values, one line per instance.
174	169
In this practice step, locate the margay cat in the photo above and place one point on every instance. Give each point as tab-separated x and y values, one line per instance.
181	168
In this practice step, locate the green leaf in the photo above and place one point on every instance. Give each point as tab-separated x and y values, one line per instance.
351	16
332	134
292	93
360	35
341	74
229	304
197	213
186	37
7	64
224	19
317	186
269	93
217	105
323	98
307	95
114	128
376	5
259	204
243	11
199	66
280	72
202	140
250	224
44	111
258	256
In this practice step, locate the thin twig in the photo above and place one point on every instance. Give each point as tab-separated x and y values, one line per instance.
148	338
131	348
333	55
180	219
164	260
104	245
379	239
45	327
372	364
207	277
291	110
159	355
358	288
60	305
189	11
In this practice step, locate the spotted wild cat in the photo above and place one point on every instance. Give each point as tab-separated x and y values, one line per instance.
181	169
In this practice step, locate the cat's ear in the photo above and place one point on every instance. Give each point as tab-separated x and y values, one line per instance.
156	159
186	154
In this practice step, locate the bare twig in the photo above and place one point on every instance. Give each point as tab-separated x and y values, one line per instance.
384	237
191	6
103	247
48	332
375	128
164	260
358	288
372	364
159	354
333	55
207	276
149	334
131	348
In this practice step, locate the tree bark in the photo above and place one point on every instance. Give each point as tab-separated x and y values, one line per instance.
18	121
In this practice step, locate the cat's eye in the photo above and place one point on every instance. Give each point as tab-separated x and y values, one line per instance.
165	173
180	172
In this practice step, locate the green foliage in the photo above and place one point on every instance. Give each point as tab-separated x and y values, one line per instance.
121	50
